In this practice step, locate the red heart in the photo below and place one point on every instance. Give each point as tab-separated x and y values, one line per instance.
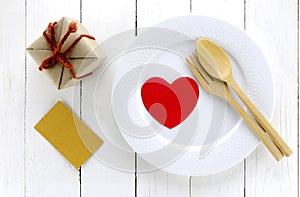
170	104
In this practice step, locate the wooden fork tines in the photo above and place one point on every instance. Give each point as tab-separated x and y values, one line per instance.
220	89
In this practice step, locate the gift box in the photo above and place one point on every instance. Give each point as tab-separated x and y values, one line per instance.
66	53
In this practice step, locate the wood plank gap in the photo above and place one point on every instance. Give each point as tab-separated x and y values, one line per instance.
190	186
245	178
25	99
135	174
245	14
80	193
245	160
298	97
80	7
135	154
190	177
135	25
80	101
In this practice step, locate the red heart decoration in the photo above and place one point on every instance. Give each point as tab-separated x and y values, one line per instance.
170	104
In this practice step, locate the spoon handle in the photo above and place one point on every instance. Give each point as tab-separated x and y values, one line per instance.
265	124
259	132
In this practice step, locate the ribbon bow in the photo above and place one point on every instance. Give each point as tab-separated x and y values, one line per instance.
57	54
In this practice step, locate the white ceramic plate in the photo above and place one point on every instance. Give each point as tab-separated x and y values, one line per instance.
213	138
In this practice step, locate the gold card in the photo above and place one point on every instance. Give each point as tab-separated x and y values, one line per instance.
68	134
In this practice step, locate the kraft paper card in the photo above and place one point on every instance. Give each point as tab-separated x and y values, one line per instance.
68	134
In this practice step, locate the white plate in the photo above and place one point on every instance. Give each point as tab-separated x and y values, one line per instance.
219	139
206	142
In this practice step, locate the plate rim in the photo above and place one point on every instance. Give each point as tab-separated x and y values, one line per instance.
271	113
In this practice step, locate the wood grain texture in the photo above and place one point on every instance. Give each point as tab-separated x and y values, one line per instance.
281	145
273	25
230	11
163	184
218	65
152	12
159	183
47	172
30	166
221	90
230	182
105	19
12	91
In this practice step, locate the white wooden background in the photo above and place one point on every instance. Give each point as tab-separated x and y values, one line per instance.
29	166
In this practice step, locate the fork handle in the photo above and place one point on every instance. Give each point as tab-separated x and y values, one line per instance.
261	119
255	127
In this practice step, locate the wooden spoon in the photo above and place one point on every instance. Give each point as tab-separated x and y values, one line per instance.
216	62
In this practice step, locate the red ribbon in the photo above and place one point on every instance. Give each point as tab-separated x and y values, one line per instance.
57	54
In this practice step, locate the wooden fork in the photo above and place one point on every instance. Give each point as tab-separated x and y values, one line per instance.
220	89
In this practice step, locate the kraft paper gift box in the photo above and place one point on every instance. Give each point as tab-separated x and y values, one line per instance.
85	56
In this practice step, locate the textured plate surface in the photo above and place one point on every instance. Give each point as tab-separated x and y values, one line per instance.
230	138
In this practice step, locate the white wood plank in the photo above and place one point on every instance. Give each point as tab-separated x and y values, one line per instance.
227	10
150	13
48	173
12	91
160	183
273	25
230	182
227	183
104	19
